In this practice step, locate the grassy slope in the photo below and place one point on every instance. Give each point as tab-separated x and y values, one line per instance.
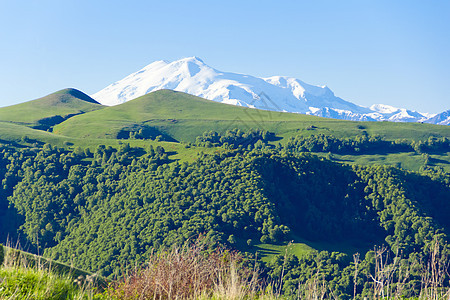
180	116
62	103
406	160
29	276
185	117
300	247
14	257
10	132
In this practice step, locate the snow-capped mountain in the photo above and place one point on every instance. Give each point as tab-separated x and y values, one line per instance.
278	93
390	113
441	119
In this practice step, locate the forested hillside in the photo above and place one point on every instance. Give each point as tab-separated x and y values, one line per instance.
107	208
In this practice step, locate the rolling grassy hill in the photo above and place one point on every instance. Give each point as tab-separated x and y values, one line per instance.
178	117
184	117
49	110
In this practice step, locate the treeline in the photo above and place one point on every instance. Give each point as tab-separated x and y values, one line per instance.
364	144
106	209
235	138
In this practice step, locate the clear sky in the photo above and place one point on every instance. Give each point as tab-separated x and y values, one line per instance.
379	51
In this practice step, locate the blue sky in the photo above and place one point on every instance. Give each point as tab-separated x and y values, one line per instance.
391	52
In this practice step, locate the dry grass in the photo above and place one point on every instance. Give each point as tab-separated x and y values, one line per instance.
192	272
314	289
392	279
189	272
434	275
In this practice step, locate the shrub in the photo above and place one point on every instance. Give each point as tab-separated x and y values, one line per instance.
187	273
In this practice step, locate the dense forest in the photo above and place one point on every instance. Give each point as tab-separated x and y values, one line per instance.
256	138
105	209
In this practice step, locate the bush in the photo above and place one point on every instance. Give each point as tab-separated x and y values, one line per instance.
189	272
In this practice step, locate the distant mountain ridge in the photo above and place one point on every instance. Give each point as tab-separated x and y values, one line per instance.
277	93
442	119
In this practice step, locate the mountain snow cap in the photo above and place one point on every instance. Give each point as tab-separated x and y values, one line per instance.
278	93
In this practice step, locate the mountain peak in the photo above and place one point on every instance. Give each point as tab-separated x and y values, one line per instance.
278	93
442	119
189	66
192	59
77	94
384	109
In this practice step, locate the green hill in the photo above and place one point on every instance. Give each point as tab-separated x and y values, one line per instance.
182	117
166	117
45	112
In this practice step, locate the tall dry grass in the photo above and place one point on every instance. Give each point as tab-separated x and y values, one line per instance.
192	272
189	272
393	280
434	274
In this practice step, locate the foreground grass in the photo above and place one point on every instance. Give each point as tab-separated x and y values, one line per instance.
192	272
27	276
189	272
18	282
